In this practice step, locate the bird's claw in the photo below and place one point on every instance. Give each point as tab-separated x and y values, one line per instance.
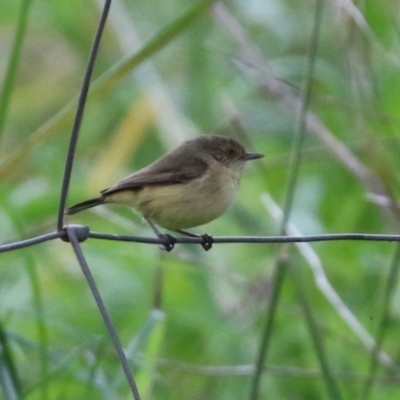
207	242
168	241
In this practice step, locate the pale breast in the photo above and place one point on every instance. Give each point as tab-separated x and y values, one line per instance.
191	204
182	206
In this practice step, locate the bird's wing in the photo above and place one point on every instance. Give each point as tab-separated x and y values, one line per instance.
165	171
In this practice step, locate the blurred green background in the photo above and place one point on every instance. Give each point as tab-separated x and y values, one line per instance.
192	322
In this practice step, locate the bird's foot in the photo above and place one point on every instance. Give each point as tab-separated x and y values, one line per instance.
208	241
168	241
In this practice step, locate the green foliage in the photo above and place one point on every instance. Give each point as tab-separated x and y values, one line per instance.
192	322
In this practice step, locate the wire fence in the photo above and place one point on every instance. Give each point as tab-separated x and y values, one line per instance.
76	234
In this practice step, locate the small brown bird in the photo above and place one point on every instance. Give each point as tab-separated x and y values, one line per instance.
187	187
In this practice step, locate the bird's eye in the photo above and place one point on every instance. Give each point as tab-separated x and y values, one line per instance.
230	153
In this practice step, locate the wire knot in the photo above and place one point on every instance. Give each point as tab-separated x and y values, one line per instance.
81	232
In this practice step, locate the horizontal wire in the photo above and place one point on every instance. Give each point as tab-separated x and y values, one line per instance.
30	242
371	237
255	239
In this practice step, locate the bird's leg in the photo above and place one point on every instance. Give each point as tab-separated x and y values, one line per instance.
168	240
207	239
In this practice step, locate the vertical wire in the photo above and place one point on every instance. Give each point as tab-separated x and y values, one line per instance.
79	115
100	304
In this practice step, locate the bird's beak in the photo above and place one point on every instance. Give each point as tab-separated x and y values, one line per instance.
253	156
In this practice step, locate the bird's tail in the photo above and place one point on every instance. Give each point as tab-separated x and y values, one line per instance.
84	205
